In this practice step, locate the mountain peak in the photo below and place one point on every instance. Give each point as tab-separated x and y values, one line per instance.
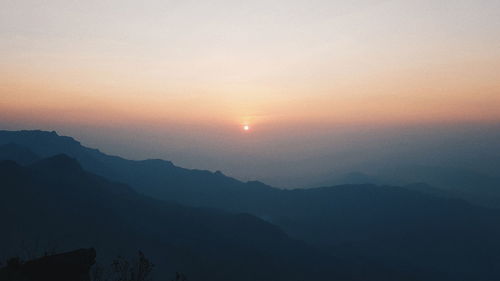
219	173
157	162
61	162
20	154
43	143
8	164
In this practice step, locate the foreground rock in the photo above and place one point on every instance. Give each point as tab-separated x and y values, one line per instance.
70	266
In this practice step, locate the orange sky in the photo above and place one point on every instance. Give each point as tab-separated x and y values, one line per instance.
459	90
188	74
222	64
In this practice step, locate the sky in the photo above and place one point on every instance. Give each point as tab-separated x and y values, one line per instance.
312	79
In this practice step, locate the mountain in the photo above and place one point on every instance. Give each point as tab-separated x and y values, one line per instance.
398	227
154	177
55	202
414	228
475	187
478	188
22	155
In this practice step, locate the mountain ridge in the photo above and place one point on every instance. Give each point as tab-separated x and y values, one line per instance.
386	224
88	210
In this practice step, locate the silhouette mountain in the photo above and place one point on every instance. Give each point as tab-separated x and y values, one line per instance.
475	187
55	200
410	229
14	152
153	177
59	162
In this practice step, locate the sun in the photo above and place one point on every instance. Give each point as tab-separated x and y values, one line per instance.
246	127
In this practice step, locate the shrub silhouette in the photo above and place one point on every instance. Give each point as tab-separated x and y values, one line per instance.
122	269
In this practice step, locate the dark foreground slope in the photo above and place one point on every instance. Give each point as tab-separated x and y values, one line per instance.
401	228
70	266
55	202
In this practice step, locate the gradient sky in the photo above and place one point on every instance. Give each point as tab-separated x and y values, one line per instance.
178	79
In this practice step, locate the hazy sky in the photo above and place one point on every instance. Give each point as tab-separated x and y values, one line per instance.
178	79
